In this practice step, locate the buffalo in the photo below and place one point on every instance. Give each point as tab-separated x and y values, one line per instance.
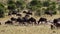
13	19
9	14
25	20
18	14
14	12
29	12
31	20
8	22
56	23
42	20
20	20
48	13
24	11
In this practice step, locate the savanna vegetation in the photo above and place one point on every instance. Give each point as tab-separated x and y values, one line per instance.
38	7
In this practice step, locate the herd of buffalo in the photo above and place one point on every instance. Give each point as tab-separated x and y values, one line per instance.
31	20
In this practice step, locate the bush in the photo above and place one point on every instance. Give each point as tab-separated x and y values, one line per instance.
48	11
59	7
10	2
2	10
11	7
20	4
1	13
46	3
34	5
54	13
38	13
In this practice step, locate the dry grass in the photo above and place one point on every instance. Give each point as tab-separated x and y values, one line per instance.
41	29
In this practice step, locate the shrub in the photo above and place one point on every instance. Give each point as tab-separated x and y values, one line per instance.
2	10
48	11
1	13
34	5
46	3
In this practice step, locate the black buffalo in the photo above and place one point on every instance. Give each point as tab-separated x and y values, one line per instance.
42	20
31	20
49	13
29	12
56	22
20	20
9	13
25	20
14	12
8	22
24	11
18	14
13	19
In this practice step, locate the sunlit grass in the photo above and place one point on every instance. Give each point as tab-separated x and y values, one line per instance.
41	29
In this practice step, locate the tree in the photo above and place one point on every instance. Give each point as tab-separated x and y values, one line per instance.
2	10
53	3
20	4
53	7
11	6
50	11
1	13
59	7
34	5
38	12
46	3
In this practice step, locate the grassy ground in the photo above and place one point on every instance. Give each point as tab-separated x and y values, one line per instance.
41	29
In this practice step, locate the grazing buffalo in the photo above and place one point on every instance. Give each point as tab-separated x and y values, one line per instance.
20	20
56	23
24	11
14	12
13	19
29	12
31	20
9	13
48	13
18	15
42	20
25	20
8	22
27	16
